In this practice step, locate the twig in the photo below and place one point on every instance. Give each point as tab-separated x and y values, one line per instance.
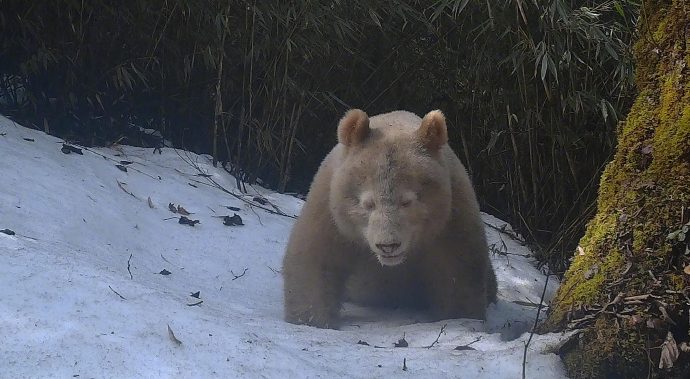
467	345
439	336
215	184
274	270
116	161
262	197
121	297
238	276
525	303
506	232
640	297
121	185
128	267
536	321
257	215
194	304
253	204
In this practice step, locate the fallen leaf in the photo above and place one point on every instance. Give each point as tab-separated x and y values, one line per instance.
8	232
185	221
121	167
260	200
234	209
172	208
151	203
234	220
360	342
29	139
67	149
172	336
125	162
684	347
669	352
580	250
401	343
182	211
464	347
196	294
195	304
165	272
686	270
655	323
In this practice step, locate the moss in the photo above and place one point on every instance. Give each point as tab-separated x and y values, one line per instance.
602	343
591	274
642	194
677	282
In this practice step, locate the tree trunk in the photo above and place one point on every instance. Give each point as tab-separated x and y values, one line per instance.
627	287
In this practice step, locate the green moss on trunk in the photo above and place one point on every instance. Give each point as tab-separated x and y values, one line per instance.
644	195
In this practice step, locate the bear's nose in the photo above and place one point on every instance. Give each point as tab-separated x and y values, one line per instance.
388	248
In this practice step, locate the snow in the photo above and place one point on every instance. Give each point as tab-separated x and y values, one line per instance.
78	231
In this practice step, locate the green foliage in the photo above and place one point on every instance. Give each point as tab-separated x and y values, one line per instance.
532	89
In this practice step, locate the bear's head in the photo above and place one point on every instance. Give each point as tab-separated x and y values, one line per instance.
392	189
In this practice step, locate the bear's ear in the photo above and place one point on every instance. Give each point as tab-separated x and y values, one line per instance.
353	127
433	132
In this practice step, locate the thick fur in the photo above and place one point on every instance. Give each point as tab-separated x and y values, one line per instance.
391	219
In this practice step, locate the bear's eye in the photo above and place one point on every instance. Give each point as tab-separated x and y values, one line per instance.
369	204
407	199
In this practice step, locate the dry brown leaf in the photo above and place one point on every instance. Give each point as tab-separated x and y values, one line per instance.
669	352
684	347
655	323
172	337
580	250
151	203
636	319
182	211
686	270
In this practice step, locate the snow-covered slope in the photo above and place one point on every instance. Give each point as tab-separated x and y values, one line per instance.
83	294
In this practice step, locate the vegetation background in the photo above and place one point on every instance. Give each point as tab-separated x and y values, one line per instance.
535	93
533	90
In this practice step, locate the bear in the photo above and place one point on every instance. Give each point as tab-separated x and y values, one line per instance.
391	220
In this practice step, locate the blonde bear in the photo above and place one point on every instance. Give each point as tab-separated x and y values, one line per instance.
390	220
